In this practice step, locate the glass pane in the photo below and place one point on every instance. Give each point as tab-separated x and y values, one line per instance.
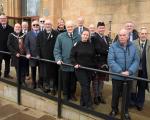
33	7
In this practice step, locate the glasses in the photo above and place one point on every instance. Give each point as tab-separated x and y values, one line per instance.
35	25
42	21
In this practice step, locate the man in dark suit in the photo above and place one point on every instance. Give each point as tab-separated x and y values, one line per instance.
101	43
15	44
80	27
30	45
45	45
5	30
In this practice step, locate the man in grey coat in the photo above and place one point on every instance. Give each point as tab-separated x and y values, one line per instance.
64	43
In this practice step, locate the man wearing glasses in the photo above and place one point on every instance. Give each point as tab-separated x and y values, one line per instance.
30	45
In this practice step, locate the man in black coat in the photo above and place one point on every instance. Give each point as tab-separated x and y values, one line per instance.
45	45
30	45
101	43
5	30
15	44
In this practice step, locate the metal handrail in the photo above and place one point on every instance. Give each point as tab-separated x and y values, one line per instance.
86	68
59	99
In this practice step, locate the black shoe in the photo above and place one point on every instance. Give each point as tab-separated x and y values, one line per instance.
102	100
113	113
24	84
96	101
8	76
127	116
139	108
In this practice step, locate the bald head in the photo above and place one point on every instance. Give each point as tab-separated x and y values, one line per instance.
69	26
48	25
123	36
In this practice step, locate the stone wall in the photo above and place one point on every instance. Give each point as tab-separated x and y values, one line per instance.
117	11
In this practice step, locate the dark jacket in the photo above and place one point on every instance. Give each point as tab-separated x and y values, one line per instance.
4	37
45	47
76	30
13	46
101	47
30	45
83	53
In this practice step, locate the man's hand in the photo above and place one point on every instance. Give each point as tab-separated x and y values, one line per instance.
28	56
59	62
18	55
126	73
77	66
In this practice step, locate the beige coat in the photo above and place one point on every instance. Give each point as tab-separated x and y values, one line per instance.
136	42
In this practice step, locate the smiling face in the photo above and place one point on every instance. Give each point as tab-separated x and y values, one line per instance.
85	36
35	25
48	25
17	28
69	26
129	27
101	30
143	34
3	19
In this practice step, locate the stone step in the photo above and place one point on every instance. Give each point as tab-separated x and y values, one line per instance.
12	111
21	116
7	110
46	117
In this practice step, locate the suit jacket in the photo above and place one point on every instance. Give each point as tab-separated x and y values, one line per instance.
4	37
76	30
101	47
30	46
13	46
136	42
45	46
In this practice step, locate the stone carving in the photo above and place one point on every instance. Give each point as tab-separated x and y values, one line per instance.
1	7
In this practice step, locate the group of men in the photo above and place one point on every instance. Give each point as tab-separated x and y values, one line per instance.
128	55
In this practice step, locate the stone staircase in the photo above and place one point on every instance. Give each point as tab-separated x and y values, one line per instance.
12	111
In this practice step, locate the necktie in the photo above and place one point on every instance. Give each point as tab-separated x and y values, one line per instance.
103	37
142	45
36	33
71	35
80	30
4	26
